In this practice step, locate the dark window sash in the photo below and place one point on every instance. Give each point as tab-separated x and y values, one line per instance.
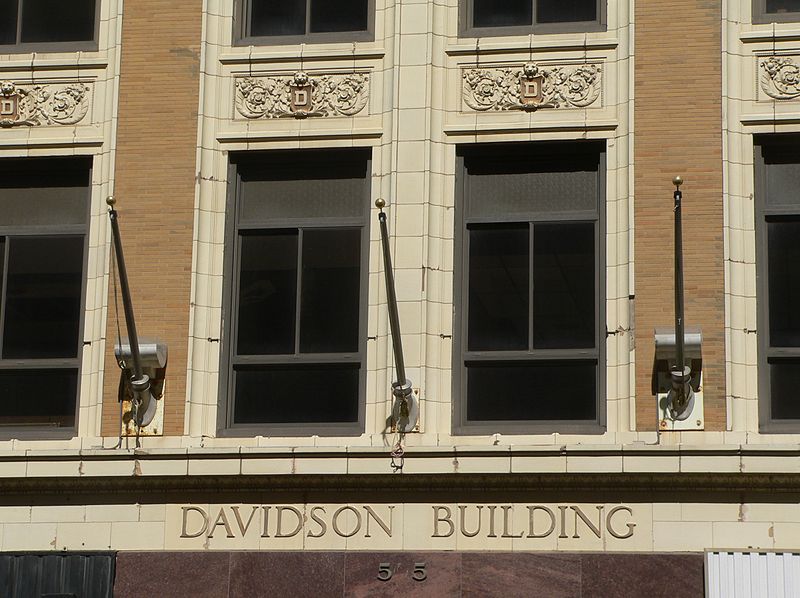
468	29
19	45
243	30
304	227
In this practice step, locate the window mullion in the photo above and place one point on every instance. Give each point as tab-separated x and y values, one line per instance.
298	300
19	21
3	287
533	13
530	286
308	17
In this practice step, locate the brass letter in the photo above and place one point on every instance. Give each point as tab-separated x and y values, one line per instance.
534	508
629	525
184	533
279	533
335	521
585	519
323	527
243	527
222	519
446	519
386	528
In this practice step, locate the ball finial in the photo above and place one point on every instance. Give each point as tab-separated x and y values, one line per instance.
111	200
677	181
380	203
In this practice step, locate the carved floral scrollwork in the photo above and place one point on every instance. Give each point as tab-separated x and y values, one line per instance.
43	104
322	95
780	77
499	88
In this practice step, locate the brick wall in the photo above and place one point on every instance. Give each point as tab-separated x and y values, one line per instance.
155	185
678	130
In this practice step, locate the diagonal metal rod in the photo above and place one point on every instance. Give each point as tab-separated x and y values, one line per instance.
391	298
679	340
130	322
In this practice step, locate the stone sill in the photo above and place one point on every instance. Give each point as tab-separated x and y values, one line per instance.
53	61
324	52
334	461
482	47
767	33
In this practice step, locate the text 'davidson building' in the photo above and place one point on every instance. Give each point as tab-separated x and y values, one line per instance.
239	377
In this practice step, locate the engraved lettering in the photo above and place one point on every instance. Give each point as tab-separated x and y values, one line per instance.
563	533
437	519
184	528
323	527
279	533
492	509
580	514
335	521
386	528
630	525
222	519
463	522
243	527
265	533
506	534
531	511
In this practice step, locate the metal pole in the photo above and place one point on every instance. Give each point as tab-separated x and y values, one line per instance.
391	297
139	381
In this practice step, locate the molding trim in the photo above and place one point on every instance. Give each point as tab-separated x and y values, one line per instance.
560	86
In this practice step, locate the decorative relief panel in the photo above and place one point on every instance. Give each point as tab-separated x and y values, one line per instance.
301	95
780	77
531	87
43	104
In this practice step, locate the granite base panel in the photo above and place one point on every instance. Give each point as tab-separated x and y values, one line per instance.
446	574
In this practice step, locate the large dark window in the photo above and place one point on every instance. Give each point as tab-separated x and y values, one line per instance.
42	244
778	231
32	24
296	335
768	11
516	17
528	348
291	21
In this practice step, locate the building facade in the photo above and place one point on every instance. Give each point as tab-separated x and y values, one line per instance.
525	151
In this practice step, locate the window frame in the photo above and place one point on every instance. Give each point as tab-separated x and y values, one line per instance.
45	431
229	332
91	45
763	214
466	29
461	425
241	29
761	16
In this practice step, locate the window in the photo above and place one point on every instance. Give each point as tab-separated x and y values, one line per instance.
481	18
777	160
46	24
297	306
775	11
44	203
527	353
295	21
